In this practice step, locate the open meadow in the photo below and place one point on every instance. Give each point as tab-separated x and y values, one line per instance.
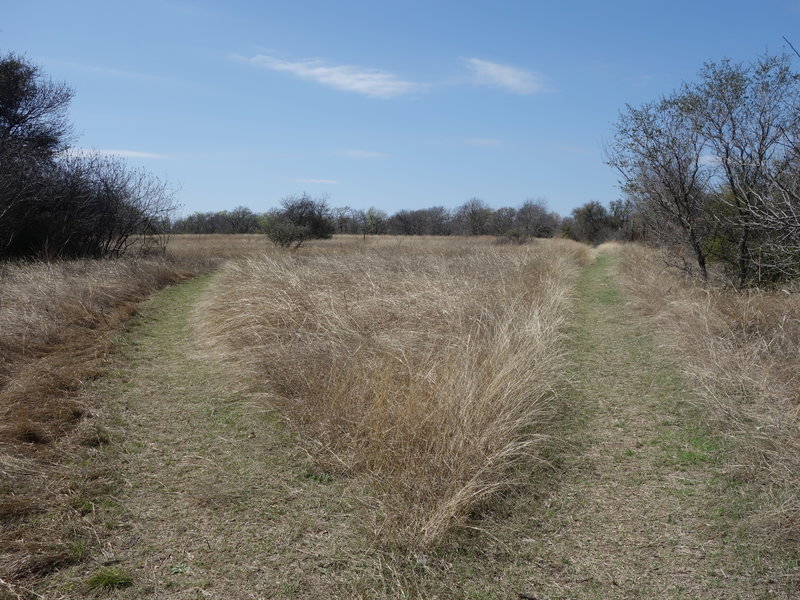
344	300
391	416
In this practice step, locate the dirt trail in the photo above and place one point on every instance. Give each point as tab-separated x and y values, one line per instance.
215	500
638	513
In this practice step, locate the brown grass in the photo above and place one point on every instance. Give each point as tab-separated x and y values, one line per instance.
214	248
428	364
54	321
741	349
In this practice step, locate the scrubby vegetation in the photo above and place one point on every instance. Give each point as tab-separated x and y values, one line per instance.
300	219
59	202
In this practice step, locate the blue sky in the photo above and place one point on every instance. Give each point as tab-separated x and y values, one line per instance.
394	104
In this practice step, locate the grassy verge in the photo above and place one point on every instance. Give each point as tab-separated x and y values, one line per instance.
54	324
739	348
637	512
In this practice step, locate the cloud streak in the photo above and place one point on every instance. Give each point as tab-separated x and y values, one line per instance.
360	154
133	154
123	74
117	153
486	142
509	78
374	83
573	149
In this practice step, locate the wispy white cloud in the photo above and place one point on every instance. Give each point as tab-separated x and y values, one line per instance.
117	153
509	78
370	82
325	181
360	154
132	154
487	142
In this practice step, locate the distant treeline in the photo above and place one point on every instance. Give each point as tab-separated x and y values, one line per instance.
592	222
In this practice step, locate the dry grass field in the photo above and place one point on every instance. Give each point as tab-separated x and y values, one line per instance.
741	349
55	321
211	249
354	414
408	349
428	364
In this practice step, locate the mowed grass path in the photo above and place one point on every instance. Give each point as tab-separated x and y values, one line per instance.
640	511
212	497
215	499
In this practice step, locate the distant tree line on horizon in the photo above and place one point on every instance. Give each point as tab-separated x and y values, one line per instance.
710	173
592	222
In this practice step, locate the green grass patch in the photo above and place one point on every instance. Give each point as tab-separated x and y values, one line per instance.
109	578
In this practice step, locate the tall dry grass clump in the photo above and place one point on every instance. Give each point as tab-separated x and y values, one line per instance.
742	348
428	366
44	305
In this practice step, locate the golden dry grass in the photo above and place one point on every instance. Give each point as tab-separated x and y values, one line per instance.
741	350
213	248
427	364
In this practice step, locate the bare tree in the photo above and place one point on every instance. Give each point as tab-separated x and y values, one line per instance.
301	218
33	128
242	220
535	220
504	219
474	217
749	118
98	206
33	111
54	203
343	217
440	221
590	223
375	221
660	155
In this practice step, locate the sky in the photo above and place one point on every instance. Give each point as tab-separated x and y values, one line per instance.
396	104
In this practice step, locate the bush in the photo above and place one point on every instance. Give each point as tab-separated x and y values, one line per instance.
286	234
513	236
301	218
